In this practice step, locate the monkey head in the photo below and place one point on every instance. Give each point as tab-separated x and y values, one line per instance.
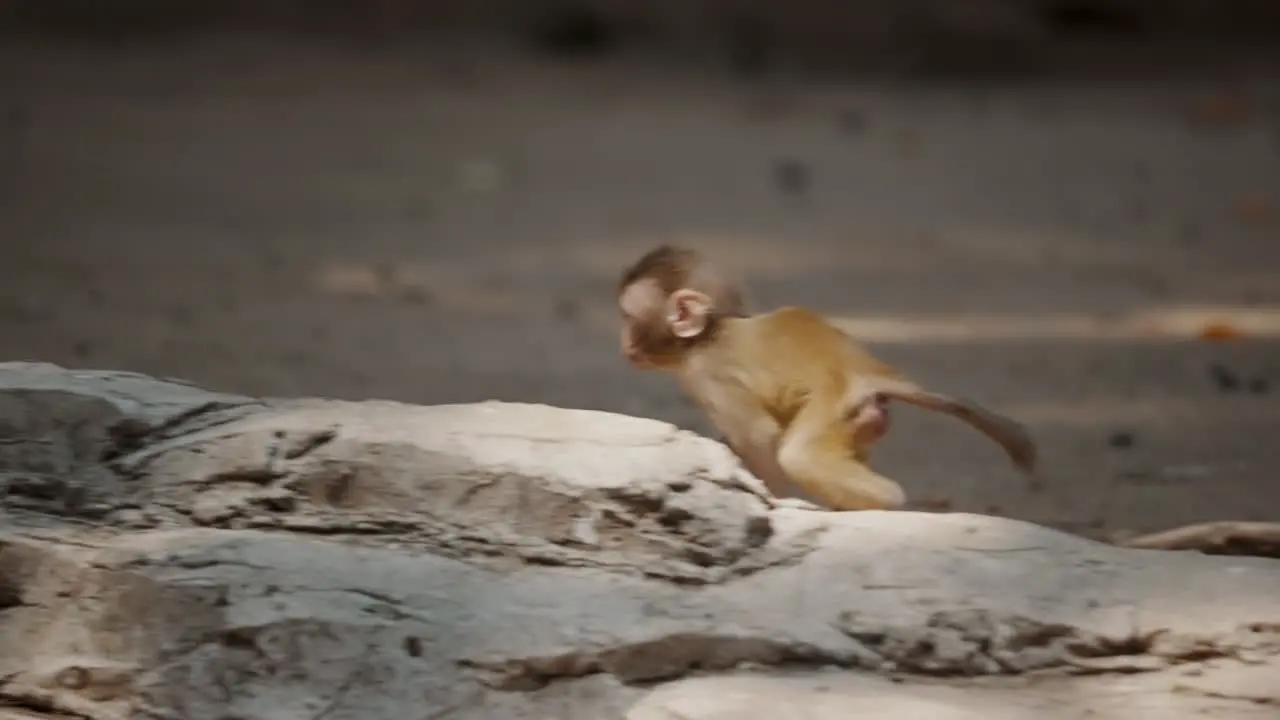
658	329
671	299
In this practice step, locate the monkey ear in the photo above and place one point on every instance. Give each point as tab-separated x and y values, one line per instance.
687	312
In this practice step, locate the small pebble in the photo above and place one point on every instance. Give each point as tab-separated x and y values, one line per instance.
567	310
1226	380
1121	440
791	176
413	294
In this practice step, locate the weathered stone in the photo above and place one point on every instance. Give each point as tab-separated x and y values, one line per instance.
279	559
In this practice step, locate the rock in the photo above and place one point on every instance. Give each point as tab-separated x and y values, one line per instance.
837	696
306	558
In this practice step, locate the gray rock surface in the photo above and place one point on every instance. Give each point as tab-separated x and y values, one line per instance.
169	552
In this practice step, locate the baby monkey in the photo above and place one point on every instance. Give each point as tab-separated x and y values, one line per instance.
796	398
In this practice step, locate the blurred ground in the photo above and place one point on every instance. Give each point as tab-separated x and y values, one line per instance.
444	224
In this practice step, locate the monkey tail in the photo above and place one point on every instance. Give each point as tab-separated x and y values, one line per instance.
1006	432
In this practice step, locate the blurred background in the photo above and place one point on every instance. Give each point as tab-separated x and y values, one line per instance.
1066	209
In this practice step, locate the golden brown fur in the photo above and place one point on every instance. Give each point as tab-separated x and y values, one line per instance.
797	398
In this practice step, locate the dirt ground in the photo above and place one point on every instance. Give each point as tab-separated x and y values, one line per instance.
445	225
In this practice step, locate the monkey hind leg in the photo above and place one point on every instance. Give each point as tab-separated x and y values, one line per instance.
828	469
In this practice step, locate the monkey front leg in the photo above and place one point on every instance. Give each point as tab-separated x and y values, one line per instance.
759	455
753	435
